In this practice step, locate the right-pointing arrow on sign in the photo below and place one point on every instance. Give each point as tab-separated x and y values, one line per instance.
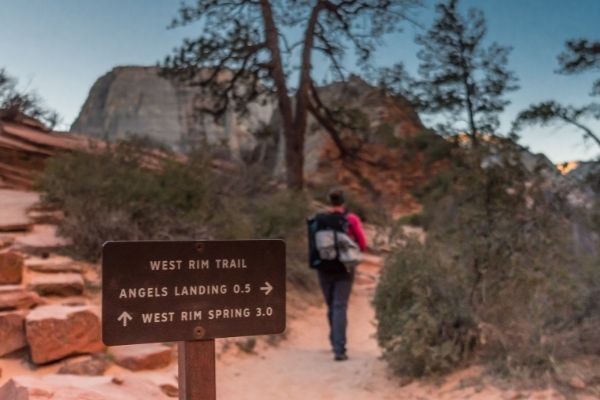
124	317
267	288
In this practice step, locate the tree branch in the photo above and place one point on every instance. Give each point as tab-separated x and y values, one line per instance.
306	66
326	118
584	128
330	128
549	111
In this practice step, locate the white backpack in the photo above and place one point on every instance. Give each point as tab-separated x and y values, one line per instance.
333	245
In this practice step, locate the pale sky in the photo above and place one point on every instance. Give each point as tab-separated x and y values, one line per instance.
60	47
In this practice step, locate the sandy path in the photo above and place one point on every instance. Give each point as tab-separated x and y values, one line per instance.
302	366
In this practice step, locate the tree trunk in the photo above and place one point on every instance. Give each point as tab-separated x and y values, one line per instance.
472	127
294	158
295	143
466	73
294	138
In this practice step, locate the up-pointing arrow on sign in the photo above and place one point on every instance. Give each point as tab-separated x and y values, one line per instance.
124	317
267	288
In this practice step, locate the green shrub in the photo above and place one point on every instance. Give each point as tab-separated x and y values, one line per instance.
109	196
426	325
497	271
433	146
282	215
384	134
115	195
415	219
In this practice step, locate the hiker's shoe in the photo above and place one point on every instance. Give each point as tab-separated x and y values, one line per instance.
340	357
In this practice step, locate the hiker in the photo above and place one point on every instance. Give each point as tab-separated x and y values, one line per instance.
336	239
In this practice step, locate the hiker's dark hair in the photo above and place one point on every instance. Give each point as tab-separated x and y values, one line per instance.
336	197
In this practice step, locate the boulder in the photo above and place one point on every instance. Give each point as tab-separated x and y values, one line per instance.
12	331
53	264
14	297
58	284
143	356
92	365
57	331
11	268
74	387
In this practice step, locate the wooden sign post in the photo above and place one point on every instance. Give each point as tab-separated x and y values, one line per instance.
192	292
197	378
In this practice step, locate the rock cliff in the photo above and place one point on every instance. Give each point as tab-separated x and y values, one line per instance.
131	101
137	101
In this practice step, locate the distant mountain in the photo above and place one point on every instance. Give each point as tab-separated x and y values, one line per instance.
130	101
137	101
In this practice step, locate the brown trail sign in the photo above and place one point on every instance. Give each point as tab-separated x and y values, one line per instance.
155	291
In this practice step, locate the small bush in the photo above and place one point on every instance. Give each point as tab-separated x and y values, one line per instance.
433	146
110	196
426	324
384	134
415	219
113	195
283	215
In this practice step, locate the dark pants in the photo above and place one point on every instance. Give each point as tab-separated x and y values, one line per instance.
336	290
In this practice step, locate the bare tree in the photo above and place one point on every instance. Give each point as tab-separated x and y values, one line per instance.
245	45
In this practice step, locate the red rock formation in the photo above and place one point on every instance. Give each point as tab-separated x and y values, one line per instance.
57	284
11	268
55	331
13	297
12	331
26	144
144	356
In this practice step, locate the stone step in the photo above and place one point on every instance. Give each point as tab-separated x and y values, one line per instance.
11	268
142	356
57	331
13	297
57	284
53	264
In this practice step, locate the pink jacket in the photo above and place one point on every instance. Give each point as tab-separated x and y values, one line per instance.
355	229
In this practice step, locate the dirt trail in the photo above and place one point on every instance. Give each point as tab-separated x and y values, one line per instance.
302	366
